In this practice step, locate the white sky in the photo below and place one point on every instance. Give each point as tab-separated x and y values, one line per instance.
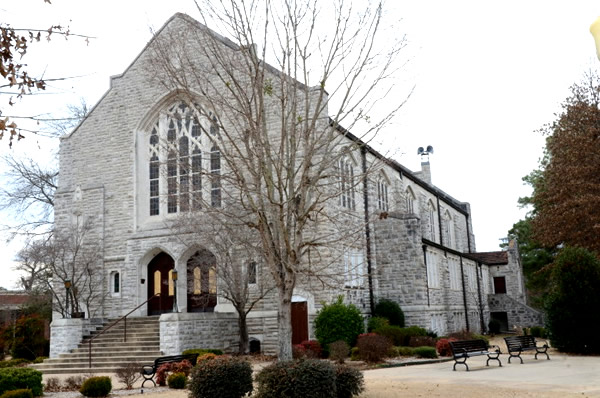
487	75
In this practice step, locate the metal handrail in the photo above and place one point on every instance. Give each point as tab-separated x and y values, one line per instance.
124	317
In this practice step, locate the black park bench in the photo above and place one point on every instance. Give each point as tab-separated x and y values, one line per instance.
518	344
464	349
148	371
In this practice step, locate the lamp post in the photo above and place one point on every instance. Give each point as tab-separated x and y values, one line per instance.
67	288
174	277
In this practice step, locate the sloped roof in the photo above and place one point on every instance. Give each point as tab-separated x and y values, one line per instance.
491	258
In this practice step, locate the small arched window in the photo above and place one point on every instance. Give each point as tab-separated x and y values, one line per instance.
382	194
115	283
346	181
431	216
449	229
410	201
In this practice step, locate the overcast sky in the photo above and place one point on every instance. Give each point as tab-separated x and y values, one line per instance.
486	76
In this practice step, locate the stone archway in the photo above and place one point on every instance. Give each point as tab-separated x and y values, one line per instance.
202	282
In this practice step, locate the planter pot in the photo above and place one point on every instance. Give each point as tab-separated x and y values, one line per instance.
78	315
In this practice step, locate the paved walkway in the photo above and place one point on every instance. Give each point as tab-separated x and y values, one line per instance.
572	374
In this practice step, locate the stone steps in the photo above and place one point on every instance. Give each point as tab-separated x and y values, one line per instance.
109	351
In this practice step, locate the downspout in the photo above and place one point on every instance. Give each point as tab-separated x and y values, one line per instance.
462	277
481	321
439	220
426	276
363	152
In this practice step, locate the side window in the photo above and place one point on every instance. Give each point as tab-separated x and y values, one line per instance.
499	285
410	201
115	283
252	278
382	195
346	181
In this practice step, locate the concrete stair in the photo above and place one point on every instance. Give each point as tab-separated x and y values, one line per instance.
109	351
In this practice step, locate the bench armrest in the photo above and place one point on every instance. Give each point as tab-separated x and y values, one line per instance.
148	370
497	348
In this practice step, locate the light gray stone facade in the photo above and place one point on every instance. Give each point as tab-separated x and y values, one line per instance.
415	239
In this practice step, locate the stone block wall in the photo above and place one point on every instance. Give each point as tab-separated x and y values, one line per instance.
66	334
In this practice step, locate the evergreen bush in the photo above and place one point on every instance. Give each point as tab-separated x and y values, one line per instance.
425	352
570	319
338	321
177	380
97	386
376	322
221	377
349	381
21	378
310	378
22	393
390	310
12	363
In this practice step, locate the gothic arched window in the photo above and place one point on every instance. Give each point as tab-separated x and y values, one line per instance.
178	139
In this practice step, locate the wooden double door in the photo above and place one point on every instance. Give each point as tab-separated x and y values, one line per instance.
160	281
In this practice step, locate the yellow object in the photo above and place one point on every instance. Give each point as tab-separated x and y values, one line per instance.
595	31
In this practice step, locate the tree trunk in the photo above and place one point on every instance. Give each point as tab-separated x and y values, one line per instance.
243	326
284	319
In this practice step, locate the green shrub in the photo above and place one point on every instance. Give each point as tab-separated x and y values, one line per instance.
177	380
354	355
309	378
538	331
373	347
19	378
338	351
570	320
97	386
425	352
376	322
494	326
391	311
221	377
11	363
401	336
348	381
405	351
40	359
22	393
165	369
338	321
202	351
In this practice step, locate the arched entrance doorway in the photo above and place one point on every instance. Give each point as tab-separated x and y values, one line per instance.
202	282
160	281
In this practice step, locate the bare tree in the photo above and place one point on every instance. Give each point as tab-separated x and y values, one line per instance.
66	265
279	162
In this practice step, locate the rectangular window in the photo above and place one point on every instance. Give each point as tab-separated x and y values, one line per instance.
454	271
353	268
215	172
433	276
347	198
499	285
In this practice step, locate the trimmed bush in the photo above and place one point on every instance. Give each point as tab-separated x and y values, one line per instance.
222	377
338	321
391	311
376	322
443	346
177	380
310	378
467	335
202	351
425	352
22	393
571	321
349	381
405	351
338	351
97	386
373	347
21	378
422	341
401	336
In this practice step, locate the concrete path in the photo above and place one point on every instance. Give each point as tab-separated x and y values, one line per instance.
569	374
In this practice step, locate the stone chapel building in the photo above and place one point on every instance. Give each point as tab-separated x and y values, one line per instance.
418	245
